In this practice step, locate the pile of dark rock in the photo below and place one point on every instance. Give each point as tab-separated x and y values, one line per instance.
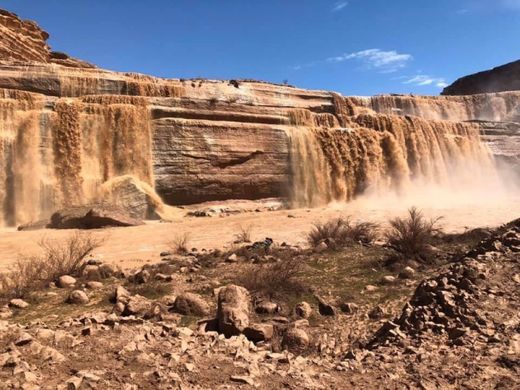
448	305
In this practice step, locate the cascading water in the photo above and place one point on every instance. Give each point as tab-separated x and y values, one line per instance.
381	154
51	159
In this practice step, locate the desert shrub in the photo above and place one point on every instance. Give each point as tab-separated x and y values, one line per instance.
179	244
412	236
340	232
65	257
267	279
244	234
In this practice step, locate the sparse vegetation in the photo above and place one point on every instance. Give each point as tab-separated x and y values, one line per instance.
341	232
274	277
244	234
179	244
413	235
59	258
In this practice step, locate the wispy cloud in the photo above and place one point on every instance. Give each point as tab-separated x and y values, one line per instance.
422	80
383	61
339	5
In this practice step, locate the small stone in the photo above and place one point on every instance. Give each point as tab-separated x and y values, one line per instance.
18	303
407	273
24	339
74	383
303	310
232	258
259	332
325	308
370	288
295	340
388	279
91	272
376	313
94	285
267	307
321	247
142	277
349	308
78	297
120	294
66	281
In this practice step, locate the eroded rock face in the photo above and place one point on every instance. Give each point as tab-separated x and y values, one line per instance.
68	129
23	40
501	78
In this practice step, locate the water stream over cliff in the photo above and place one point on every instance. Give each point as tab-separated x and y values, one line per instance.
382	154
51	159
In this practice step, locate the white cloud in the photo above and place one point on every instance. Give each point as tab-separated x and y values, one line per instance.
339	5
384	61
422	80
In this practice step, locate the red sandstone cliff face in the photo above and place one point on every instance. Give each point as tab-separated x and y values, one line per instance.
499	79
67	129
23	41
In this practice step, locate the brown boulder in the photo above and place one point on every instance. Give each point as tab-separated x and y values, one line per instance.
190	304
233	310
91	217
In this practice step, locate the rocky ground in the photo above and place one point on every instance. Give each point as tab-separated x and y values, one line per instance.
330	319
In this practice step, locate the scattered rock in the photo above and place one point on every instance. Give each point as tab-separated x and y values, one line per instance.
78	297
259	332
295	340
407	273
66	281
321	247
91	272
324	308
303	310
18	303
94	285
233	258
267	307
388	279
376	313
349	308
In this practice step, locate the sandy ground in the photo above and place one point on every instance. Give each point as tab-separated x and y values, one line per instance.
133	246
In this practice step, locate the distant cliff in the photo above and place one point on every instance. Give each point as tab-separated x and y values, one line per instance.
499	79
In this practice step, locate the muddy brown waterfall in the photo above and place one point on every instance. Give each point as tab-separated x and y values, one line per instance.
381	154
53	158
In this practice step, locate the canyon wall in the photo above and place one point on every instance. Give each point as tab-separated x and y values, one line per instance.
499	79
67	128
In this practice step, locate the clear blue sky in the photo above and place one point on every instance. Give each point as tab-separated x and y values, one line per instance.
356	47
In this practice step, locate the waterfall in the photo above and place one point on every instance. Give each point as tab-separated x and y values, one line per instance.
381	154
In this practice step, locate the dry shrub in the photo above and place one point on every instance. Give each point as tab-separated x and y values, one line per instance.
412	236
179	244
274	277
59	258
341	232
244	234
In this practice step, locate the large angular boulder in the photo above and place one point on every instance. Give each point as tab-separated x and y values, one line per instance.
234	307
91	217
137	198
190	304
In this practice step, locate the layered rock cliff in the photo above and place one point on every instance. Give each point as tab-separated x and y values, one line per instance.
499	79
67	129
